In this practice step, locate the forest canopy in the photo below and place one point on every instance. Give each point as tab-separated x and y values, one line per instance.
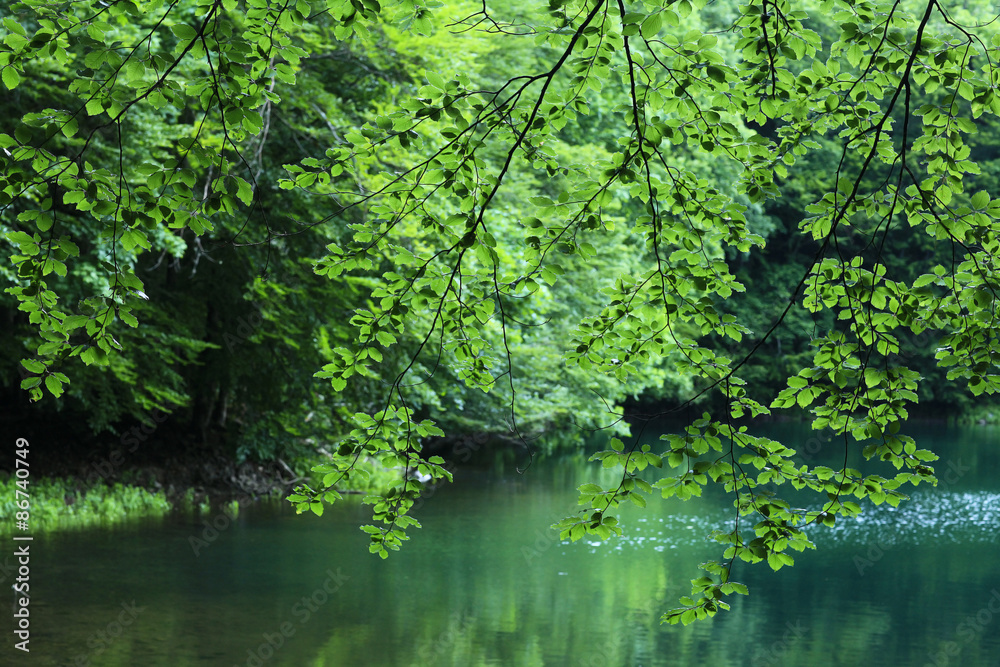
512	217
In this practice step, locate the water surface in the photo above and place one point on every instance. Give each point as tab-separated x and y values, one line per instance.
487	582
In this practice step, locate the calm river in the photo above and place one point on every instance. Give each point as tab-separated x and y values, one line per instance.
486	582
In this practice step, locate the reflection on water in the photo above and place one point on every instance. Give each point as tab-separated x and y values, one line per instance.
487	582
928	517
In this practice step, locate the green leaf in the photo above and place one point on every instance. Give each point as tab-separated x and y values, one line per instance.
775	561
70	127
10	77
128	318
33	365
184	32
14	27
54	386
651	25
855	54
716	73
435	79
944	194
244	191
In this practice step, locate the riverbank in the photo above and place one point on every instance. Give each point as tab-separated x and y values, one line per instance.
90	499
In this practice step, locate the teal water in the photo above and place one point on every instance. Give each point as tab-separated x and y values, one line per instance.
486	582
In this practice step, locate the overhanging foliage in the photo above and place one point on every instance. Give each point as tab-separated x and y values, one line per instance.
481	221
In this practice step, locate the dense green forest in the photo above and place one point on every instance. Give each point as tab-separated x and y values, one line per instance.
235	322
281	232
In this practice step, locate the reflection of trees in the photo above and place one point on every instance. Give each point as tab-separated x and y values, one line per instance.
466	595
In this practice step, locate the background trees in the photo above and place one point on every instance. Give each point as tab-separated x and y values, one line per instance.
209	253
523	216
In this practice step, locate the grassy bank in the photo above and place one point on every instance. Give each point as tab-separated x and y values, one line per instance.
63	503
55	504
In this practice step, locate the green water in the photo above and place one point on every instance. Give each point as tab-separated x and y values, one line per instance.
486	582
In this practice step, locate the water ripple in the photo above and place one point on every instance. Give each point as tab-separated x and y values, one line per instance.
928	517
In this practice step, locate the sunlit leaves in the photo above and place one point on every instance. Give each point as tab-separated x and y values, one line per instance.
582	216
10	77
